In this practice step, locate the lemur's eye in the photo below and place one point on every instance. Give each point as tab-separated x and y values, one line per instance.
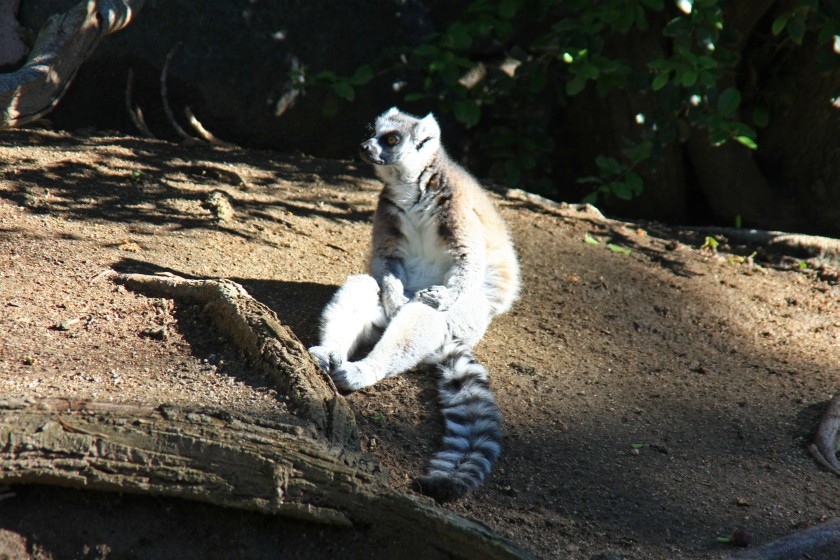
392	138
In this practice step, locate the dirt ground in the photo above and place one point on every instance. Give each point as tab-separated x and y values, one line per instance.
656	395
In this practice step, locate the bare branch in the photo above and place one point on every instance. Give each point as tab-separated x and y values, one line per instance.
267	343
802	544
136	115
164	95
824	448
203	132
62	45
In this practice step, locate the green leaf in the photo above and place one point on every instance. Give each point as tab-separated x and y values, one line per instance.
641	18
634	183
641	152
621	190
779	24
718	134
830	32
416	96
747	141
363	75
457	37
710	243
608	165
624	251
591	198
660	81
678	28
724	540
587	70
344	90
575	85
326	76
637	445
467	112
729	101
589	240
689	78
796	29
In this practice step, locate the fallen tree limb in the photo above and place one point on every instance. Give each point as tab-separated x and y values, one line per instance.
62	45
562	208
268	345
824	448
269	465
281	465
803	544
813	245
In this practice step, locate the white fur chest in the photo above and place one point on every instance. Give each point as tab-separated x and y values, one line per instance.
425	257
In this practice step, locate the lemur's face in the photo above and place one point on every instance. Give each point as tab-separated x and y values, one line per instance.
401	140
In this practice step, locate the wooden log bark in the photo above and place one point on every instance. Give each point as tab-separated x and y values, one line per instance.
268	345
271	465
803	544
305	466
824	448
62	45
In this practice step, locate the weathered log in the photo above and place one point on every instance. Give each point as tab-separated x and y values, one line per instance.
813	245
268	345
824	448
62	45
304	466
803	544
269	465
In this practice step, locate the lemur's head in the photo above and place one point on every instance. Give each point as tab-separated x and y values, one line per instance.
402	142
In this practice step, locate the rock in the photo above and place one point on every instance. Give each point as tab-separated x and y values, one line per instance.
231	67
219	206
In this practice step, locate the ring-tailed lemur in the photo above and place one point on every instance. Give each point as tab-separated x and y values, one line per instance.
441	267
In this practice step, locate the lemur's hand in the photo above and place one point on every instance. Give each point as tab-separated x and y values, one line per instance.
392	295
436	297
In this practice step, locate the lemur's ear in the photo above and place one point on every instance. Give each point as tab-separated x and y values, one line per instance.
427	128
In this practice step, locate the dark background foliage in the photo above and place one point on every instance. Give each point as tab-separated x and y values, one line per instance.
712	111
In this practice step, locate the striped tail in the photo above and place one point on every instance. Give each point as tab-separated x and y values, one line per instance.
472	432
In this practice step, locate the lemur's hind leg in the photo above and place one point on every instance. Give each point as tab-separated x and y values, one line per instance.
352	318
414	334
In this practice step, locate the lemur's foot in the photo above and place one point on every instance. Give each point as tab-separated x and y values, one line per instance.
352	376
329	360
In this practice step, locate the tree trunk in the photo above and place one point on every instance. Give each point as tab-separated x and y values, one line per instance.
269	465
63	44
268	345
305	466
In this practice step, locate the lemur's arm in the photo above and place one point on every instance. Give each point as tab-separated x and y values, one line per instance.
462	234
386	264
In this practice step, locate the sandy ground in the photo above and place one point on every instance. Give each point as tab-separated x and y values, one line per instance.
656	394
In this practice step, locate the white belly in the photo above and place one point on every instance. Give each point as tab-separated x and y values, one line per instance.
426	261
